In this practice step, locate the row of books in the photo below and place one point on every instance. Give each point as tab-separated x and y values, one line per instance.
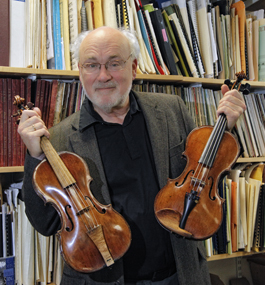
243	226
202	104
192	38
56	99
31	258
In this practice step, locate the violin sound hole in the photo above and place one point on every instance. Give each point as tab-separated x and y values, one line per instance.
185	178
67	228
212	198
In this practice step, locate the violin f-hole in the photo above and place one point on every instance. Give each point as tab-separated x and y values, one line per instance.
69	218
103	209
212	198
185	178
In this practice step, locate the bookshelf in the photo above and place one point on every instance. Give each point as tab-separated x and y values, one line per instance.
6	173
234	255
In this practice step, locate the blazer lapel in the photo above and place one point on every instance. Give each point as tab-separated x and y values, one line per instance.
85	144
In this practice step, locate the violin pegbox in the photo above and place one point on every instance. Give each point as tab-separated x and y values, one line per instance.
19	102
244	88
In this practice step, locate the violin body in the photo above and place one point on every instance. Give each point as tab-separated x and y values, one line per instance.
206	217
92	236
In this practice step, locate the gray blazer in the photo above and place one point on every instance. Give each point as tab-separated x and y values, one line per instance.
168	124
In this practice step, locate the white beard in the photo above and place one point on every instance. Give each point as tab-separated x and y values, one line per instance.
117	102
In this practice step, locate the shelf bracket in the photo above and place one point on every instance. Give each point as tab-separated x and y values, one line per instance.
239	267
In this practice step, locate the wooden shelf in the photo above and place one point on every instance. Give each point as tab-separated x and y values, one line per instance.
6	71
250	159
11	169
233	255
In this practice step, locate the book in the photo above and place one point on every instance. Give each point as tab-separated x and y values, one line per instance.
4	33
7	271
261	50
163	42
220	43
65	32
191	11
109	14
54	89
170	10
149	56
17	33
97	14
57	35
88	5
241	12
59	103
204	39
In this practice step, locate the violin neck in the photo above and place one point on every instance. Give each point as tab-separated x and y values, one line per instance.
209	153
64	176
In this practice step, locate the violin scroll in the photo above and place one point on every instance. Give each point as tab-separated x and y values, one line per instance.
19	102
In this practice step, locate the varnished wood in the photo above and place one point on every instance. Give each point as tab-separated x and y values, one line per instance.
76	234
205	219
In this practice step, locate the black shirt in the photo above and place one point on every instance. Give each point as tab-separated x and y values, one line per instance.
126	153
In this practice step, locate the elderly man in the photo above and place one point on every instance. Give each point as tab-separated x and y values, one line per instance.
131	143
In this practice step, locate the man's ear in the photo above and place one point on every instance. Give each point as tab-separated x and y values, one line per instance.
134	68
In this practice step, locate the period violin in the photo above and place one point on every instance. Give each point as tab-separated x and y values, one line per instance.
190	205
92	235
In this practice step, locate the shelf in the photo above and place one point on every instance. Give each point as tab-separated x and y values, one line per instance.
11	169
233	255
250	159
6	71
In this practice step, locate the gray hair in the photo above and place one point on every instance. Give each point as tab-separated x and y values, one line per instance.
130	35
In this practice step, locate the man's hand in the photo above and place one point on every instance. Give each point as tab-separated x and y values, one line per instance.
31	128
232	105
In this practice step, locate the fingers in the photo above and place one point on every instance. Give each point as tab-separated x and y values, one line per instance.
31	128
232	105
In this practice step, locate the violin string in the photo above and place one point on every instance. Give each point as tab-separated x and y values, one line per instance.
68	181
200	166
89	222
90	205
83	204
213	141
64	175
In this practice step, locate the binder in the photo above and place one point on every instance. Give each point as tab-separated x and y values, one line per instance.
163	42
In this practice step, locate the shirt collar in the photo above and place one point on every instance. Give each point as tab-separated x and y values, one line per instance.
89	116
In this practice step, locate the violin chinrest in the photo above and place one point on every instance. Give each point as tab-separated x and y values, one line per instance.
170	219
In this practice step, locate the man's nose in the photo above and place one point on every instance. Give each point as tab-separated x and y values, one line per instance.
104	74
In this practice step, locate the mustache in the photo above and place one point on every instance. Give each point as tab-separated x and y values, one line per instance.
105	85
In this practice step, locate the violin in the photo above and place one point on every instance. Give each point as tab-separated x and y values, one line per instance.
92	235
190	205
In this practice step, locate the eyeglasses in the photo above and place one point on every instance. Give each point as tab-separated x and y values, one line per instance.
112	65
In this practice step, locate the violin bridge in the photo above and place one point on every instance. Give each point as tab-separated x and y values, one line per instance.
198	182
82	211
97	236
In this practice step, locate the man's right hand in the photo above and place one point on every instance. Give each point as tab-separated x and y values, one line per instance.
31	128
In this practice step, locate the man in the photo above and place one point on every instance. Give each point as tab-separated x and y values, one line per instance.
131	143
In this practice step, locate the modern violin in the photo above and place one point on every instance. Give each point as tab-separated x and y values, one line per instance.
92	235
190	205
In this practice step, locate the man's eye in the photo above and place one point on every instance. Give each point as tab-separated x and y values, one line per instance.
91	65
114	63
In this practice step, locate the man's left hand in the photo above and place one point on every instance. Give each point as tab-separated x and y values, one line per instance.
232	105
